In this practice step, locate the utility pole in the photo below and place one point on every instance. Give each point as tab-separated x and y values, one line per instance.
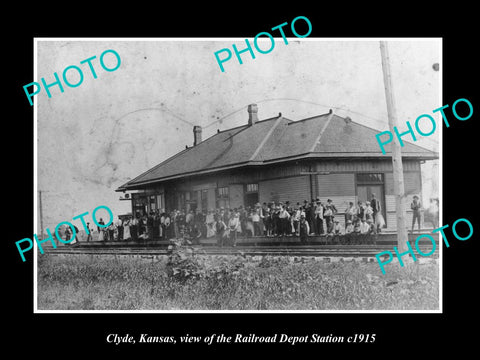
398	182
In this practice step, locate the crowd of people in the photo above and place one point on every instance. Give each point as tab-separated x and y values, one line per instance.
274	219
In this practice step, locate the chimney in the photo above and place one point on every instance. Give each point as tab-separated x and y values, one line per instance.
197	135
252	114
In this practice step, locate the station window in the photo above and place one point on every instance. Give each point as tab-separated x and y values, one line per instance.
153	203
204	200
370	178
223	199
222	192
252	188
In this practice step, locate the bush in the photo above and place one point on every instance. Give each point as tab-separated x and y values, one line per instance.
182	263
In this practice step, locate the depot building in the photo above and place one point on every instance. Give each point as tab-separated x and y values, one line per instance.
325	156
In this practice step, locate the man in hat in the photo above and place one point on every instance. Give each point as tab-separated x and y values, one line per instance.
134	227
276	220
349	228
332	206
289	230
267	221
297	212
304	229
373	228
220	229
260	226
319	217
253	222
337	230
333	232
226	214
332	212
349	232
360	211
375	204
234	228
189	218
310	217
149	232
119	226
111	231
416	206
89	235
328	215
68	234
364	227
243	215
350	212
284	221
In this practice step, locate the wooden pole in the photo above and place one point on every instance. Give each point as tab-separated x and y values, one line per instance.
398	182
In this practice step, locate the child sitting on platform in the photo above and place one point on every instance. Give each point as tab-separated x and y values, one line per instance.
350	228
337	230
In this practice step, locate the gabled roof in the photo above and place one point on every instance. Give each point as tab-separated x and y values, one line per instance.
276	140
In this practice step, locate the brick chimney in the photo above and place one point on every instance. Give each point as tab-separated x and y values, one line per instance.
197	135
252	114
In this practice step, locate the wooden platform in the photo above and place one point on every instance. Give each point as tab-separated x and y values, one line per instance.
344	240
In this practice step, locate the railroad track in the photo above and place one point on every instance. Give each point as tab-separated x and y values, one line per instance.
299	250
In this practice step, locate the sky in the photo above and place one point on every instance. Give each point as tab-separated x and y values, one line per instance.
95	137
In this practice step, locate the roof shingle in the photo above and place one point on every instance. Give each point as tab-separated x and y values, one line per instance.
273	140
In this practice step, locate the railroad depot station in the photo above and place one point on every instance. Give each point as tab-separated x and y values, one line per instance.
277	160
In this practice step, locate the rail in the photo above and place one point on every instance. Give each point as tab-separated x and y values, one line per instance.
298	250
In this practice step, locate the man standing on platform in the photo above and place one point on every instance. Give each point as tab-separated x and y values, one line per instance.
119	226
319	218
304	229
416	206
134	227
376	207
310	217
89	236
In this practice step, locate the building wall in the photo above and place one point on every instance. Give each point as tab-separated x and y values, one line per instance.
336	180
413	186
211	199
336	184
338	187
236	195
412	181
294	189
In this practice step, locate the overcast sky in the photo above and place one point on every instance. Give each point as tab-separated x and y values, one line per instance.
99	135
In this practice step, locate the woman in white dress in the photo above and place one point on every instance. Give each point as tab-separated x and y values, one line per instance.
368	211
167	223
210	221
126	229
233	228
249	225
100	235
379	221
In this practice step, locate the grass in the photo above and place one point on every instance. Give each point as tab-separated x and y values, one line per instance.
97	283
